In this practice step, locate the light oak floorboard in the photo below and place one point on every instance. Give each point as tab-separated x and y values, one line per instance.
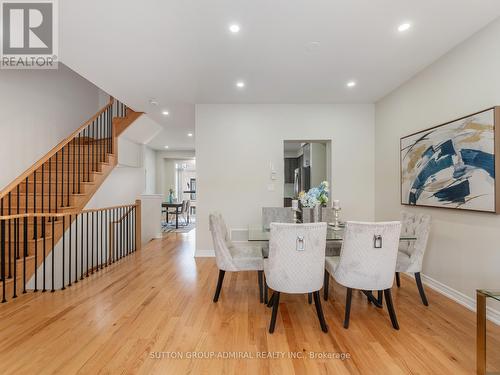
160	300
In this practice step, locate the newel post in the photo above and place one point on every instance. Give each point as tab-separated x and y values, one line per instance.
138	225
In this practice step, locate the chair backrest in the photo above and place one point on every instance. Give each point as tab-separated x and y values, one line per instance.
188	204
418	225
296	262
220	238
276	215
326	215
363	265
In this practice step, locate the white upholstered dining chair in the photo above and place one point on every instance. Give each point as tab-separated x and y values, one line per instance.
367	262
296	264
234	257
411	253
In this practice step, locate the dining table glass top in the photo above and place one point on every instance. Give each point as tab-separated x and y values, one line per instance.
495	294
259	233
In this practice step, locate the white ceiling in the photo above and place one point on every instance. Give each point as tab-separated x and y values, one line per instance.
180	52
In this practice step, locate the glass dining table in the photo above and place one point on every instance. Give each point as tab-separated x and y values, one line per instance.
259	233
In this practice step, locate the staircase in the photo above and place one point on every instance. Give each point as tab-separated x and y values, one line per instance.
36	205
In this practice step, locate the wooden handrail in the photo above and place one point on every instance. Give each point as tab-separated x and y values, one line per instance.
52	152
72	213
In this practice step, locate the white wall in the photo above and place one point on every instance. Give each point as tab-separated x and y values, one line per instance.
40	108
235	145
463	252
149	169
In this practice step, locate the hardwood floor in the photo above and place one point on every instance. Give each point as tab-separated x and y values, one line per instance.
129	318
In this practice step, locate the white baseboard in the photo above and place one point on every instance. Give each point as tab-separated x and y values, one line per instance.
462	299
204	254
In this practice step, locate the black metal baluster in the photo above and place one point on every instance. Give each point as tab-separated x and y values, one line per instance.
101	137
26	196
93	144
10	235
50	184
18	202
16	245
81	248
128	230
97	241
88	154
57	186
92	245
25	252
80	177
76	248
87	272
62	178
69	253
34	202
35	220
44	289
110	131
43	191
3	239
63	251
134	241
68	178
53	256
74	161
103	232
115	235
120	220
106	238
99	144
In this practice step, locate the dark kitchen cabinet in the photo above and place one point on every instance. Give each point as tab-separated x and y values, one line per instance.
291	164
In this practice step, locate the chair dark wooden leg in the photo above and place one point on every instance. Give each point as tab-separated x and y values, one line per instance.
271	300
398	280
309	298
319	311
421	289
348	299
390	308
371	298
265	290
380	297
219	285
326	284
261	285
276	302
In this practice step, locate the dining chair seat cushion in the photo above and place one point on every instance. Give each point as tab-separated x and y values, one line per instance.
331	264
247	257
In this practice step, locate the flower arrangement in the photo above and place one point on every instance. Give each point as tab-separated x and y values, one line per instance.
315	196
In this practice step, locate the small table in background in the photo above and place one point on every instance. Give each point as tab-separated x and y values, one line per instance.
481	296
178	207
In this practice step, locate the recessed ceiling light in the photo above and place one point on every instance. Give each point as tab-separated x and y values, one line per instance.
153	102
234	28
351	84
240	84
166	147
403	27
190	134
165	113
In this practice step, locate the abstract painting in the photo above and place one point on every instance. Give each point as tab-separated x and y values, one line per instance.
453	165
